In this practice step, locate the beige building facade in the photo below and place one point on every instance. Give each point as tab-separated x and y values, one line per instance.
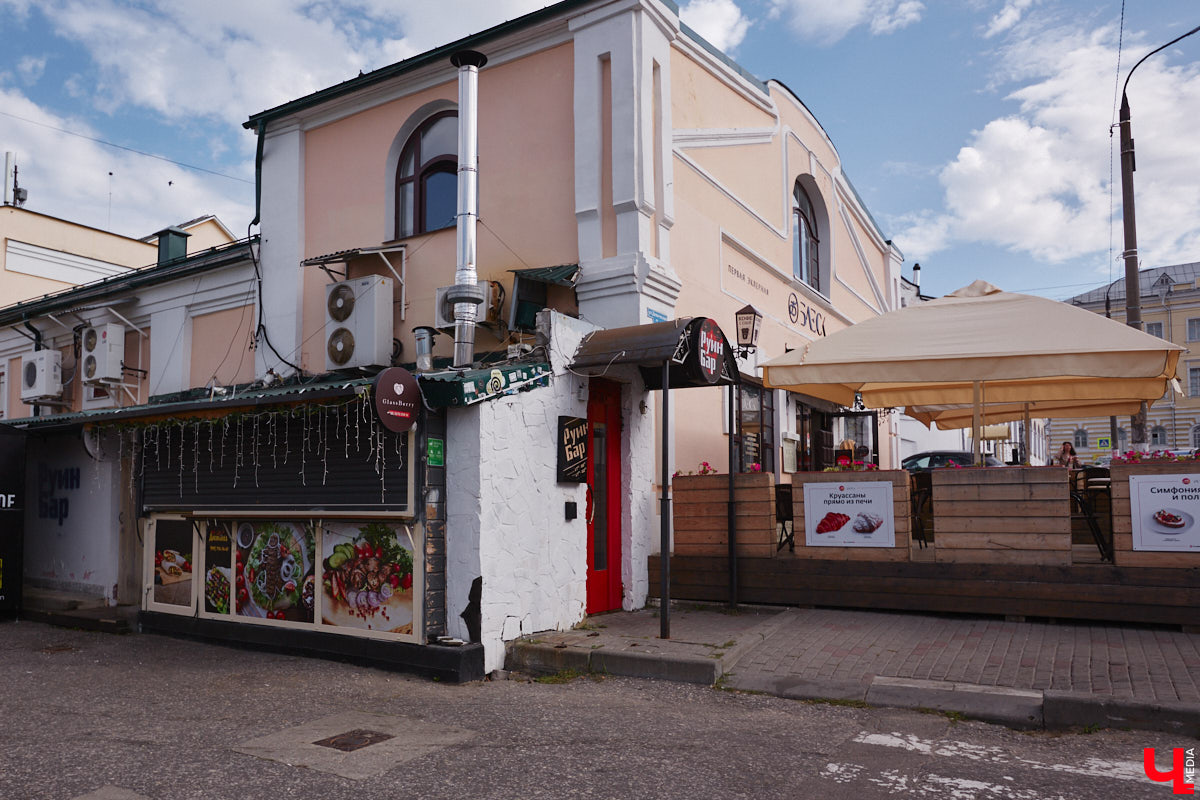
1170	310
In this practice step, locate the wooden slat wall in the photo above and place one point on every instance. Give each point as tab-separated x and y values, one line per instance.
699	512
1098	592
1122	522
1014	515
901	512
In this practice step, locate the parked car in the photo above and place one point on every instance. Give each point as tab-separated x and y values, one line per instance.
932	459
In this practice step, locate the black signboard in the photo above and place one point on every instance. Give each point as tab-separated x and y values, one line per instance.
397	399
572	449
12	516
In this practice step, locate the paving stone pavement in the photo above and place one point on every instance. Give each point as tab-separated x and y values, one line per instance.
1147	664
1025	674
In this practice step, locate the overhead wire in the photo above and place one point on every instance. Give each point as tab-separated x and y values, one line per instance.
107	143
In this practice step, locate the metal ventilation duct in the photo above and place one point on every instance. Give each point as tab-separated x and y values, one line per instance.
466	294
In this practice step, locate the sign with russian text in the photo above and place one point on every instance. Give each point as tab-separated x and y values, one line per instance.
1164	511
572	449
852	514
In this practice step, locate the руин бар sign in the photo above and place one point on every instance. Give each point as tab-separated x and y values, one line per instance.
849	514
572	449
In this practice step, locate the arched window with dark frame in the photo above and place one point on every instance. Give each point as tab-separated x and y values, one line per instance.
806	240
427	177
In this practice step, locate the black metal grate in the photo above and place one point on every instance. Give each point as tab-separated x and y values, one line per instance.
353	740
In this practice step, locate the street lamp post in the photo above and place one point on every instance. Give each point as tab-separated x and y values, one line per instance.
1133	289
747	321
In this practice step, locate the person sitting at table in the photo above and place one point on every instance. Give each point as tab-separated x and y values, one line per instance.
1066	456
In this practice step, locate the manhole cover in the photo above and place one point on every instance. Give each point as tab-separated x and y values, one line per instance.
350	741
57	648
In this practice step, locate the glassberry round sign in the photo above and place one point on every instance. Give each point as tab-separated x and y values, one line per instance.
396	399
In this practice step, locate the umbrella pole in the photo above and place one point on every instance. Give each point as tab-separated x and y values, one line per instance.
977	421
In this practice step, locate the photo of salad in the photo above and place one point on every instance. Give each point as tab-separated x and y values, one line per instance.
273	566
367	577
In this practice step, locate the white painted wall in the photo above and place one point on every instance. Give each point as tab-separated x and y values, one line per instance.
71	519
282	246
505	510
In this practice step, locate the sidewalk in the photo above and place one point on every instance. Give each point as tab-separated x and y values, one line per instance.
1021	674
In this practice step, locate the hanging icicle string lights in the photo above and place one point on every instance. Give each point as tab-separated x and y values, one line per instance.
320	425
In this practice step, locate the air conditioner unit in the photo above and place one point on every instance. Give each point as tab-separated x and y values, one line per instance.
358	323
102	351
487	312
41	375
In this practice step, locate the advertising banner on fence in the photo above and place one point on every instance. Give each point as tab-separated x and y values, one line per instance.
1164	510
849	514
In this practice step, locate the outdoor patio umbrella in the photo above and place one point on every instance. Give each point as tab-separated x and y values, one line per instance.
980	353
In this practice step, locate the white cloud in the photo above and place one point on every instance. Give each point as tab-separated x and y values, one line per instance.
67	176
30	69
230	59
1007	17
1038	181
827	22
720	22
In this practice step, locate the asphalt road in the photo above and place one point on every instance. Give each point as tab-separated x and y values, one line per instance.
125	717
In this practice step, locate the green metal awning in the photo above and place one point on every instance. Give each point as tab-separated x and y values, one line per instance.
460	388
562	275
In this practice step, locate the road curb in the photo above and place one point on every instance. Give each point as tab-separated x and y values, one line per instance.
1078	709
548	659
1016	708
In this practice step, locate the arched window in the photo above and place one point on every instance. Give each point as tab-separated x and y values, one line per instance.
806	240
1158	436
1081	438
427	177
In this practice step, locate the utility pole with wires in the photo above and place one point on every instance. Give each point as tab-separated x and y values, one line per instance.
1133	289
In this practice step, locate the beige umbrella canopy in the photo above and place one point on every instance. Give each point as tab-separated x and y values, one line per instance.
981	348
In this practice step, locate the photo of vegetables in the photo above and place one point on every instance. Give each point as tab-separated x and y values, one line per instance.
273	570
367	576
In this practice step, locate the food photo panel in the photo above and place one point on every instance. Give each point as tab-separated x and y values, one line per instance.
274	570
367	576
852	514
218	566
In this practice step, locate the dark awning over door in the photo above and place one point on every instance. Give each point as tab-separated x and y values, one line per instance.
696	348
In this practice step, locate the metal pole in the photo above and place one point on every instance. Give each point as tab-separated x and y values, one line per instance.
732	519
1133	288
976	430
1026	437
665	510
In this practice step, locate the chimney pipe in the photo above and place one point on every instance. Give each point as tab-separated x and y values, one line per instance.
8	178
466	294
917	275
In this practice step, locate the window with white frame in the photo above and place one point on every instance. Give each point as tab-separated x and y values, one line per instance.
1196	438
806	240
1158	436
1081	437
1154	329
1193	380
1193	332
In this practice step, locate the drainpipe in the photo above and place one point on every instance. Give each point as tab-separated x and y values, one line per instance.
37	345
466	295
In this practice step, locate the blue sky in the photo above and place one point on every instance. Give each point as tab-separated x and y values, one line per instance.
977	131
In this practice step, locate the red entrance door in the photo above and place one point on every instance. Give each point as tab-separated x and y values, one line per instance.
604	497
